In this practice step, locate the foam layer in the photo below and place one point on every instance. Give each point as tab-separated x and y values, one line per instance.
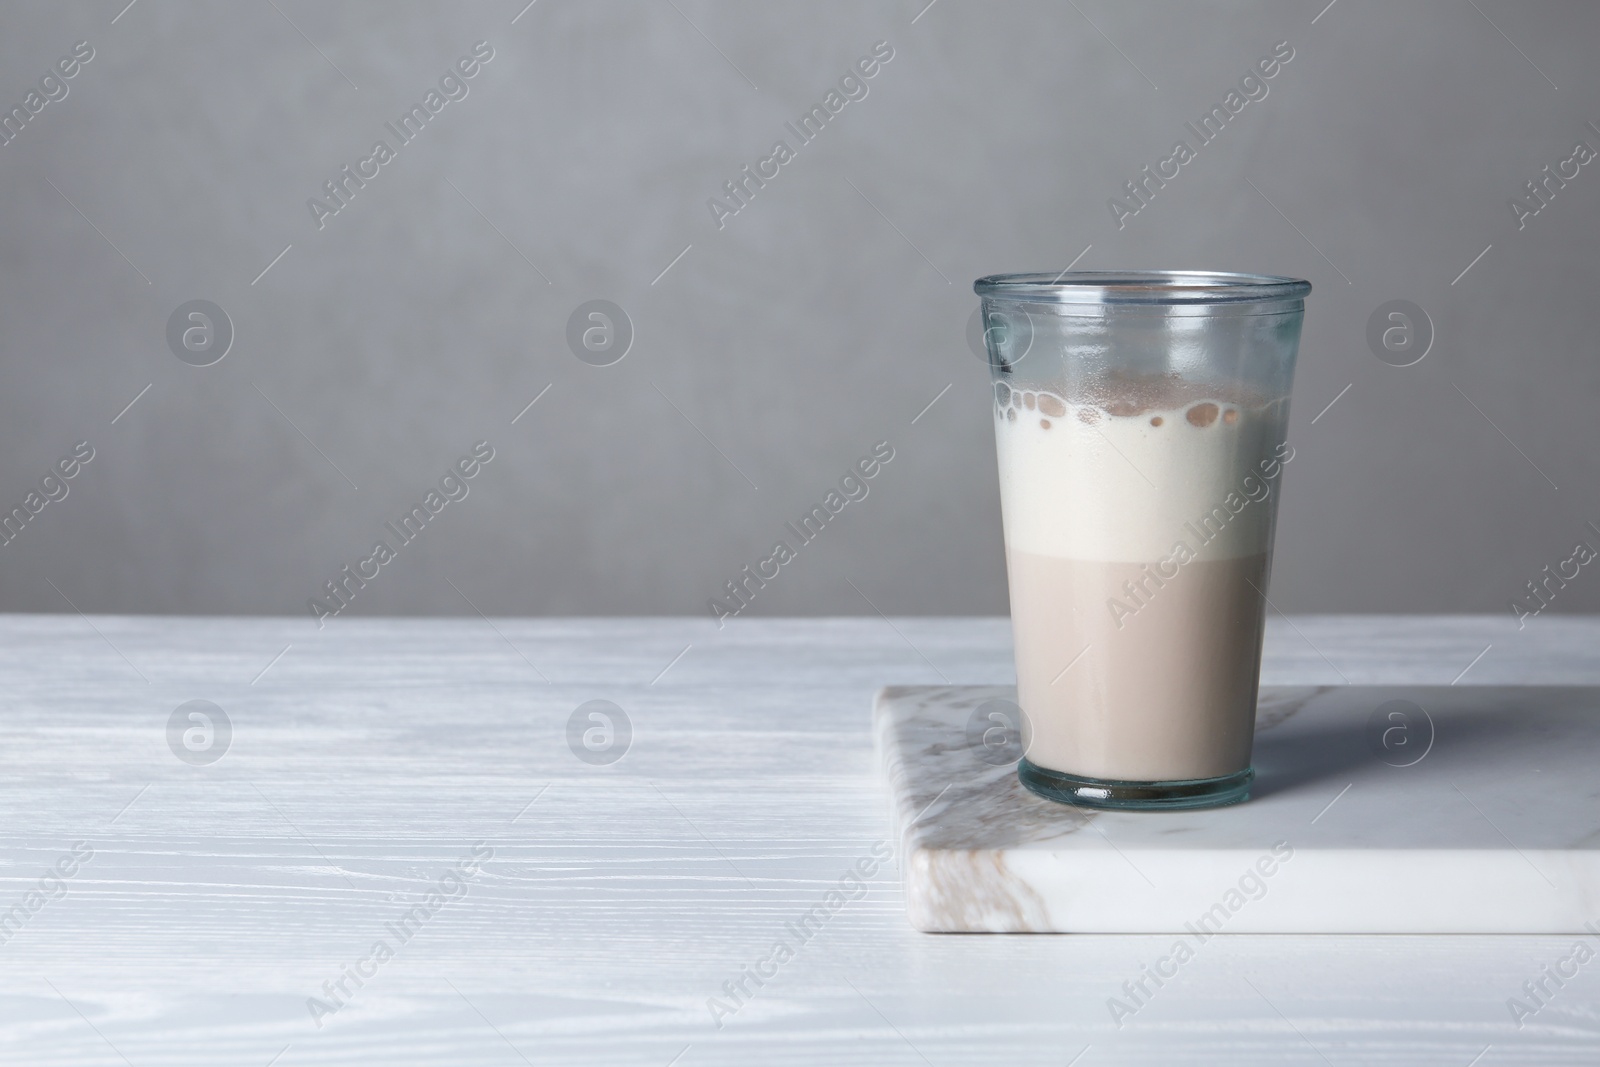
1137	470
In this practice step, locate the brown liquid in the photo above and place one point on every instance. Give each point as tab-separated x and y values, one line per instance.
1168	694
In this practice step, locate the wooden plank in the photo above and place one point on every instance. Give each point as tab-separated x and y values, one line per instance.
368	760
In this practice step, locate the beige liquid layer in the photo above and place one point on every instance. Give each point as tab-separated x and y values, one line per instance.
1168	694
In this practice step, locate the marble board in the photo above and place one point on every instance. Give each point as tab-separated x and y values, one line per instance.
1381	809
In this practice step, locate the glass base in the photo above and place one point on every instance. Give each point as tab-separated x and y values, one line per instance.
1136	796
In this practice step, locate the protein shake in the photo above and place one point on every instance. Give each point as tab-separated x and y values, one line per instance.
1140	428
1137	529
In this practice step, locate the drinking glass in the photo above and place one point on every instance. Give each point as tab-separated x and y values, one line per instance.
1140	423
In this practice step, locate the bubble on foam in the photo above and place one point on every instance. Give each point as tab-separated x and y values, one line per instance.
1160	398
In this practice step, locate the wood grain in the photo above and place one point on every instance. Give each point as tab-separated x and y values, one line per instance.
373	755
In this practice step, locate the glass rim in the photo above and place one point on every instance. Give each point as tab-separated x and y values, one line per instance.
1159	287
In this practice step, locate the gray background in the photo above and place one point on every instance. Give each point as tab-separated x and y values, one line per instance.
821	319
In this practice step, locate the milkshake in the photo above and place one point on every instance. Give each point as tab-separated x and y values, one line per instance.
1135	524
1139	499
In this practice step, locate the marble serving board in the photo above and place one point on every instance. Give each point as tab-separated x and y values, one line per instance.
1375	810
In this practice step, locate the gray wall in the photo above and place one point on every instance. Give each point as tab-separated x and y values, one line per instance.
820	319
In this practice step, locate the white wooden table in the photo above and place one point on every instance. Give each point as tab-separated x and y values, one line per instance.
373	757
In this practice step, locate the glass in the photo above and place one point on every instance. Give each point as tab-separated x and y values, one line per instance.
1140	426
